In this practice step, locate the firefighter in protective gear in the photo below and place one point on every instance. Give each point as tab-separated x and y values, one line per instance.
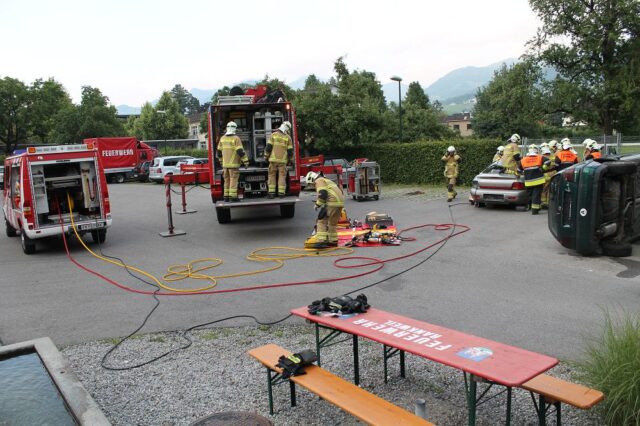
231	154
451	166
550	171
565	157
533	167
329	203
588	146
594	152
499	154
553	147
511	155
279	153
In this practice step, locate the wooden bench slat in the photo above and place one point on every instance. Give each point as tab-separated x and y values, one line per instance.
349	397
563	391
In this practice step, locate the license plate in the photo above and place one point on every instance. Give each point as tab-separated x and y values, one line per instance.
493	197
254	178
92	225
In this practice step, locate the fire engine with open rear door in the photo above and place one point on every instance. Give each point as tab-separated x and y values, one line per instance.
256	119
46	185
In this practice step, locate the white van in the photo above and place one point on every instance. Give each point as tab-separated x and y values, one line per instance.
163	166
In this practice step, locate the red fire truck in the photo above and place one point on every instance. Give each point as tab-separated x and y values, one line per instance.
45	185
256	120
121	156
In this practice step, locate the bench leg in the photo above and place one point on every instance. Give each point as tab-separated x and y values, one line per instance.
270	390
384	357
471	399
542	411
318	344
508	406
388	353
558	413
402	372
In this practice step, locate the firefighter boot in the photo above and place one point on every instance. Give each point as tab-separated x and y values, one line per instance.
313	243
535	211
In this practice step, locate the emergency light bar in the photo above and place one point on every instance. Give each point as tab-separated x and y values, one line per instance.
60	148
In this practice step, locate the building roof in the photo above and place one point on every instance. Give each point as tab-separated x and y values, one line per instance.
462	116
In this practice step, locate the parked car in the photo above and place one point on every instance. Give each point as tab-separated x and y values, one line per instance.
142	171
163	166
594	206
493	186
191	161
2	176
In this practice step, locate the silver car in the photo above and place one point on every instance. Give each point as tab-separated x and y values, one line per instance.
494	187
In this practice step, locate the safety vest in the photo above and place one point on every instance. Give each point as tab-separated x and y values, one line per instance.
335	196
565	158
230	147
533	173
451	165
281	147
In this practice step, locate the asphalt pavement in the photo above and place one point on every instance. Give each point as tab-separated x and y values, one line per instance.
507	279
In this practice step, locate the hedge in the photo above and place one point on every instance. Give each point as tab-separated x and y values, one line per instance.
421	162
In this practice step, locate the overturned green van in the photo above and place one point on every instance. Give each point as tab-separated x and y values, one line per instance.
594	206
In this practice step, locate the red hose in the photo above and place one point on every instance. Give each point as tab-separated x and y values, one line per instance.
337	263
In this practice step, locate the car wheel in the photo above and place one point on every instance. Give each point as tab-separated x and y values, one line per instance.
478	204
99	236
614	249
224	215
119	178
375	197
11	231
621	168
28	245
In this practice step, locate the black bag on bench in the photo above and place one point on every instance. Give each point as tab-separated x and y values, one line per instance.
293	365
340	305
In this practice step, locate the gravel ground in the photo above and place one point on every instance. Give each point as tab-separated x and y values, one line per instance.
215	374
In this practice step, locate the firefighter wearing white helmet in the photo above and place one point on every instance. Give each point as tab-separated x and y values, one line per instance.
499	154
594	151
533	168
329	203
511	155
279	153
451	170
553	146
588	146
231	154
566	157
549	164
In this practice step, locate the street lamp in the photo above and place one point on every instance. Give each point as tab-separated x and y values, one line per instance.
164	128
399	79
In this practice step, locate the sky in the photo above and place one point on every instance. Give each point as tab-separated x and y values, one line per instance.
133	50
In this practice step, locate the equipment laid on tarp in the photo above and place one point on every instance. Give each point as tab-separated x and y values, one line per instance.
378	219
364	179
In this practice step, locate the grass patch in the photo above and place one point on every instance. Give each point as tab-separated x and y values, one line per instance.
611	364
209	335
158	339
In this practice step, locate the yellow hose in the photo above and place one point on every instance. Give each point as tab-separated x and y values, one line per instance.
277	254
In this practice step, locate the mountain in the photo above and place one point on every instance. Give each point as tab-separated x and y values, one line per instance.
127	110
463	81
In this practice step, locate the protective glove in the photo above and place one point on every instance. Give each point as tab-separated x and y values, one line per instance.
322	213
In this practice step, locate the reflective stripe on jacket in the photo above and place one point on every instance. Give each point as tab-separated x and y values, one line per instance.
451	165
281	148
533	169
334	195
232	152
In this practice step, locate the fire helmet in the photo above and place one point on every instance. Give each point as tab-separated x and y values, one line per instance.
231	128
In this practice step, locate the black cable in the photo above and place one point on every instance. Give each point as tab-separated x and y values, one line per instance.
185	334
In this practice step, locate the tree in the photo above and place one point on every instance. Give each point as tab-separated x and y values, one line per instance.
187	103
416	96
593	44
168	125
48	98
94	117
14	113
510	103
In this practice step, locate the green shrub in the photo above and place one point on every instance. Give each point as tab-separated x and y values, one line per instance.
421	162
611	364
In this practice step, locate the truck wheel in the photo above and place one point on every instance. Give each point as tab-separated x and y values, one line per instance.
119	178
98	236
224	215
11	231
613	249
287	210
28	245
621	168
